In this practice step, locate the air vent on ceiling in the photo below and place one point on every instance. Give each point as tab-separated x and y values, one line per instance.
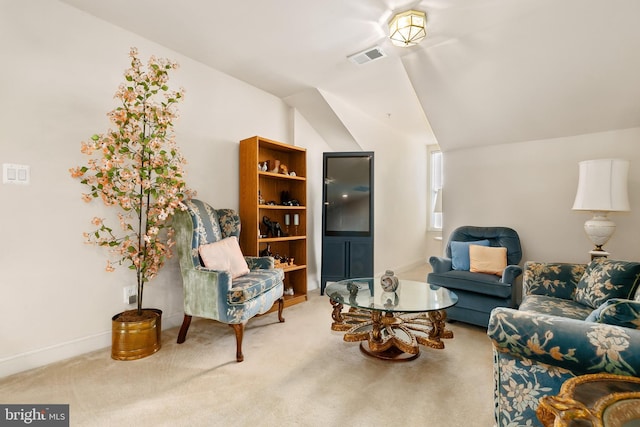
367	55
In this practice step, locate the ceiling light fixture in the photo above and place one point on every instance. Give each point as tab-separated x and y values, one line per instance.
408	28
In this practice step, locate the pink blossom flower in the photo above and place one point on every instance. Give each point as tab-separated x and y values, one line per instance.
138	168
109	267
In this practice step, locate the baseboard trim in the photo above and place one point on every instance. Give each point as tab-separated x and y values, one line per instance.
55	353
405	268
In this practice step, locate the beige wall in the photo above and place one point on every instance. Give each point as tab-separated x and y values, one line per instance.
531	186
307	137
61	70
57	84
59	75
400	195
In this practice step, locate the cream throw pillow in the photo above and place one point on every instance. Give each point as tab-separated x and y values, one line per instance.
224	255
490	260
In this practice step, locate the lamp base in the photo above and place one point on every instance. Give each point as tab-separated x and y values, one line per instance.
599	229
598	254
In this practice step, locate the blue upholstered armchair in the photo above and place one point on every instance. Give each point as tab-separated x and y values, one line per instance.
574	319
478	292
216	294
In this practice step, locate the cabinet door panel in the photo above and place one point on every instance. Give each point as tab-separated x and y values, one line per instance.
360	259
333	259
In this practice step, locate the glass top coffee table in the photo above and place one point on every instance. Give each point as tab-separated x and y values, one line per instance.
391	325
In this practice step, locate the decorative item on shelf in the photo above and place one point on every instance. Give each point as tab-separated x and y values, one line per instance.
286	200
284	169
261	200
264	166
289	291
282	261
266	251
602	188
292	173
273	228
138	169
296	222
287	221
284	197
389	281
276	166
278	260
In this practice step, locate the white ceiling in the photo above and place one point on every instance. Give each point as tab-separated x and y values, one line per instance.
489	71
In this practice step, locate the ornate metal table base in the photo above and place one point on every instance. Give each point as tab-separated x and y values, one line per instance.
391	336
593	400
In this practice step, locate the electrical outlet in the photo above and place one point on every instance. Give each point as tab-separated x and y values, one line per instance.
130	295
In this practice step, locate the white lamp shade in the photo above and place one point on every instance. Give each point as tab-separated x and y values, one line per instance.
602	186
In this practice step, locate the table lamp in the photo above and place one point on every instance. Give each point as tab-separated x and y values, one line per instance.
602	188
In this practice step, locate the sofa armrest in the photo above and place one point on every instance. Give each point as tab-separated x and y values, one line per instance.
578	346
260	263
511	273
440	264
205	292
557	280
208	278
619	312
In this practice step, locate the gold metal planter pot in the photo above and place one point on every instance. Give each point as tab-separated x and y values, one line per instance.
133	338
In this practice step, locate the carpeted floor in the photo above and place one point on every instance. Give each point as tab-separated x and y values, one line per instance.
298	373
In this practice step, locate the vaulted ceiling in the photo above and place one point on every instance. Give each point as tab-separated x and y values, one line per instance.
489	71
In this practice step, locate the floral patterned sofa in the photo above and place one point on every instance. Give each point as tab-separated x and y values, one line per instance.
574	319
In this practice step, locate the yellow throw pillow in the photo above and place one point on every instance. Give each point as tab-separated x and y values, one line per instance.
487	259
224	255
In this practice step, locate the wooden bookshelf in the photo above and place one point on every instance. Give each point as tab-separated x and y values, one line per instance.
256	183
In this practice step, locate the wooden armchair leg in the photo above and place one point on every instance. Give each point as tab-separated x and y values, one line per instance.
280	308
239	330
182	335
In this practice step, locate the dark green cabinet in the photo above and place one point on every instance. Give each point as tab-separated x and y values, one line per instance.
347	216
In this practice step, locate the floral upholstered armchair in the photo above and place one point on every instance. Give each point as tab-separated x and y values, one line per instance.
219	282
574	319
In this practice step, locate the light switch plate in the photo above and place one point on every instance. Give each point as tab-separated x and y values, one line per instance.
15	174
